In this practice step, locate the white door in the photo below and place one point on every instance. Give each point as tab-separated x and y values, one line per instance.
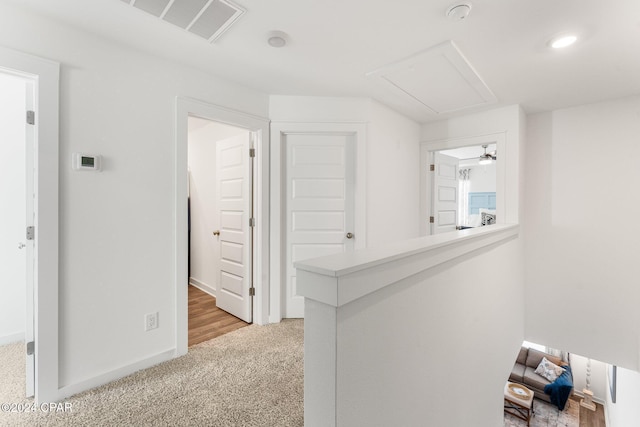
234	201
319	203
444	194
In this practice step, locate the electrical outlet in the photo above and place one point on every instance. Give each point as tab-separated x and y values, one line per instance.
151	321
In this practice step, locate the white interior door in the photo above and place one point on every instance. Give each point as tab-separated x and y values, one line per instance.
234	201
319	203
444	194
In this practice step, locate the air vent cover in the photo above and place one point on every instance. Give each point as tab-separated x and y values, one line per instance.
208	19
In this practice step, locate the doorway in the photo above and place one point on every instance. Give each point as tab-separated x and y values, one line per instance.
220	203
470	190
16	175
258	127
41	300
464	188
318	203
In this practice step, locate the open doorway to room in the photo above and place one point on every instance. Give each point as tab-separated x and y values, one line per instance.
16	153
32	176
446	204
463	191
220	240
241	226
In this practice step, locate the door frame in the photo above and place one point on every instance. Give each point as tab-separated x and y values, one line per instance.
279	131
184	108
45	77
427	149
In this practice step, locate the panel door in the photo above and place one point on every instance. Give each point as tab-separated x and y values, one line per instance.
319	203
234	202
445	194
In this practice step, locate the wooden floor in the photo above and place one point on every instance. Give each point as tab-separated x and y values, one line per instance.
206	321
590	418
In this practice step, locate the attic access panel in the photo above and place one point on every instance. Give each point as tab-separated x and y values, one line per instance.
440	78
208	19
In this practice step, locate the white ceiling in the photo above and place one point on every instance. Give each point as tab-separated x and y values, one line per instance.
333	44
469	153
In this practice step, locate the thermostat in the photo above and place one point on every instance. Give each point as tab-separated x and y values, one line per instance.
88	162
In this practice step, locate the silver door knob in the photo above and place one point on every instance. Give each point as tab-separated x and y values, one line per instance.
21	245
349	235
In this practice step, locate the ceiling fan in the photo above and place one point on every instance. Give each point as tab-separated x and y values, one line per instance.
487	158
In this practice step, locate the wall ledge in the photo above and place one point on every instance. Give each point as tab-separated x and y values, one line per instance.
342	278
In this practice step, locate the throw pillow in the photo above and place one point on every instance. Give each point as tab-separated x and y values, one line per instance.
549	370
487	218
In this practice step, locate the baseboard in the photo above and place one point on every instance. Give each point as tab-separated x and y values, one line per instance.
203	286
10	339
595	399
116	374
607	422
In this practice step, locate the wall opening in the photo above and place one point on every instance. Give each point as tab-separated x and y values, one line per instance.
209	248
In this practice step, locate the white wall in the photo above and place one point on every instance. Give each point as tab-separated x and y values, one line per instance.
393	176
425	339
392	158
581	230
116	226
205	217
626	411
483	178
13	212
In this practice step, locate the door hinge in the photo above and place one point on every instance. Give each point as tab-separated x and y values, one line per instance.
252	222
252	291
31	232
431	220
31	117
31	348
252	152
432	168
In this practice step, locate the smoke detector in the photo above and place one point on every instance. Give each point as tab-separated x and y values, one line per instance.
277	39
458	12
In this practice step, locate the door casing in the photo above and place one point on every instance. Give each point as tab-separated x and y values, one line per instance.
45	77
279	131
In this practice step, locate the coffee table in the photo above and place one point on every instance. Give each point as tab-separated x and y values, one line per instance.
518	401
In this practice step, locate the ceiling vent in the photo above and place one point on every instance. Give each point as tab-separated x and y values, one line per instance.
208	19
438	78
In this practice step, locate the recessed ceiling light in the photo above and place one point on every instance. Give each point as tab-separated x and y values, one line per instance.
563	41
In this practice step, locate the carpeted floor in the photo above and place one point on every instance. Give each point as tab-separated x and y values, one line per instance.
249	377
547	415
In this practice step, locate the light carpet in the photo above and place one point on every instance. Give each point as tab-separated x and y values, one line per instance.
249	377
547	415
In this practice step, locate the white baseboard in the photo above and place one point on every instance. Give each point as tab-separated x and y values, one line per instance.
203	286
10	339
595	399
116	374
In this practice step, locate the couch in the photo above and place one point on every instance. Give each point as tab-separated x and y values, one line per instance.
523	372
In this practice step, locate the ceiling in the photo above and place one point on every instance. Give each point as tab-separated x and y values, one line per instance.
469	153
337	48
